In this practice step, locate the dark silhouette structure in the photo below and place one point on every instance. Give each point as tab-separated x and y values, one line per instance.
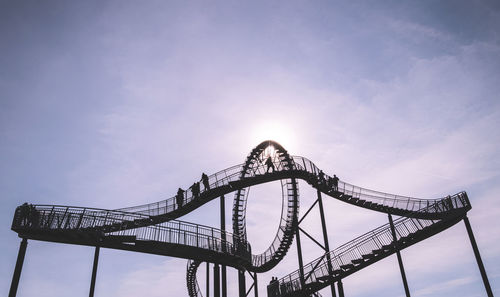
154	228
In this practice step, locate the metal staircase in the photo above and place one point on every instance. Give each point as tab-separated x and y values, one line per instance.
367	249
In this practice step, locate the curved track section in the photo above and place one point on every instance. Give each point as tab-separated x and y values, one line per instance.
269	153
153	228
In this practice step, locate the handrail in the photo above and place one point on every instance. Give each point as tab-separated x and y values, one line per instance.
365	244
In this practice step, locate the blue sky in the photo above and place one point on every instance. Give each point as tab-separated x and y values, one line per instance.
114	104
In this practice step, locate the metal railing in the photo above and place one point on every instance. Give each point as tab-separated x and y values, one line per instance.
377	239
58	218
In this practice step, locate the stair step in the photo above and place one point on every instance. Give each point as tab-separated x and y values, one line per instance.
347	267
357	261
387	247
368	256
378	251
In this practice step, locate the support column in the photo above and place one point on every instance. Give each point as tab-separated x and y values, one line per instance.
325	241
478	258
216	280
255	285
241	283
299	254
340	288
19	267
400	260
208	280
223	232
94	271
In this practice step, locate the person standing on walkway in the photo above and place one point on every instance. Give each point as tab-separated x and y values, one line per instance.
204	179
179	197
270	164
335	183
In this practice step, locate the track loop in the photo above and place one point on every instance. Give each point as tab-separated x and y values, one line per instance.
269	157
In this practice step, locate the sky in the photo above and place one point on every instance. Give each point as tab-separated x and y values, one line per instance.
111	104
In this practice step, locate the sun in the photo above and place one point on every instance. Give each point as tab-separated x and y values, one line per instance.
273	130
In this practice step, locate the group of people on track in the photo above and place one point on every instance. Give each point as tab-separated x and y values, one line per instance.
195	190
331	182
29	215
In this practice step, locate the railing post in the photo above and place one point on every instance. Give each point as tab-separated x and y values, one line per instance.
400	260
325	241
19	266
94	271
478	257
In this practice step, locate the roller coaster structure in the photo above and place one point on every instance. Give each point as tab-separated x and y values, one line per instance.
154	228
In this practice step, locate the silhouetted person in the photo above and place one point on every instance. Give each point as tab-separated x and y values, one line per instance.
321	177
273	290
335	182
24	211
195	189
32	214
204	179
270	164
35	217
179	197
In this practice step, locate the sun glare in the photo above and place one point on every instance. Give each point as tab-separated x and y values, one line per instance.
276	131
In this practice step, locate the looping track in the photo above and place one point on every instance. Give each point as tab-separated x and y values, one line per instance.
153	228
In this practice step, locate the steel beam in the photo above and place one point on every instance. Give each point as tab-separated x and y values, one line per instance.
400	260
208	279
256	284
478	257
301	262
223	236
94	271
241	283
216	280
340	288
325	241
19	267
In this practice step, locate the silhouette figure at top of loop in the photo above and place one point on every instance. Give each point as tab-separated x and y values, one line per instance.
270	164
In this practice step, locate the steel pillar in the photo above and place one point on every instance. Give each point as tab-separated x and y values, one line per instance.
478	257
241	283
299	254
208	279
216	280
223	232
325	241
94	271
19	267
400	260
255	285
340	288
